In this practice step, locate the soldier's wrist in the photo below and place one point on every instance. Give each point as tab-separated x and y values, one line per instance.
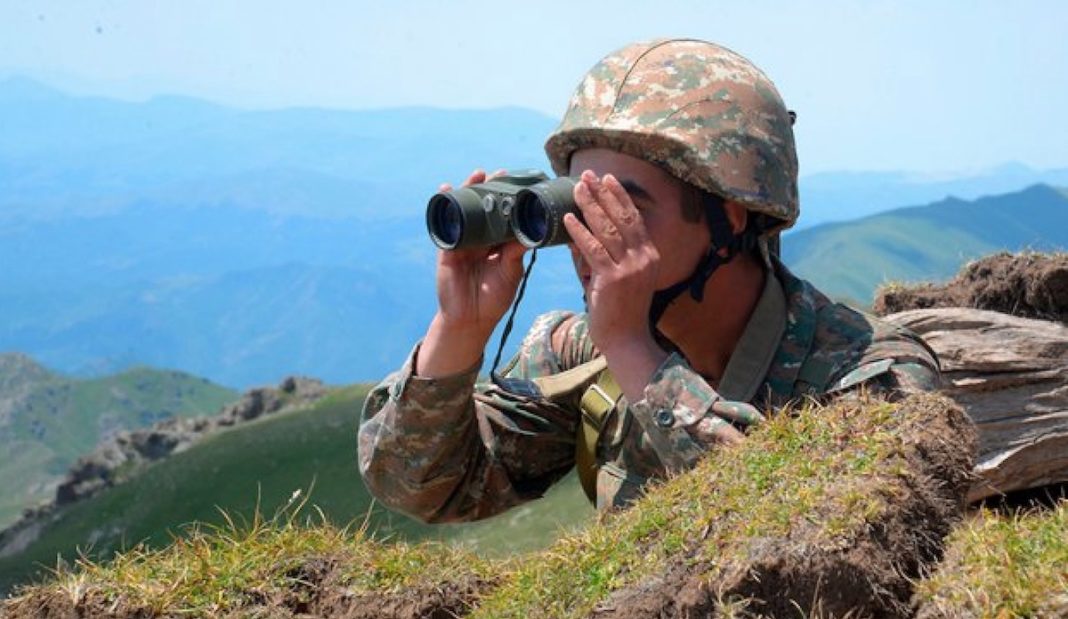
450	348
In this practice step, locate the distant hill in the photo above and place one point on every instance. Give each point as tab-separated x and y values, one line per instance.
261	463
849	260
843	196
48	420
238	245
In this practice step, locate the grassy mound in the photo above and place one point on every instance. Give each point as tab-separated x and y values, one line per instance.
831	510
1002	566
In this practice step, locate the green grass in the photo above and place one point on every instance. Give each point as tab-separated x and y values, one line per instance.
256	467
213	570
1001	565
832	470
60	419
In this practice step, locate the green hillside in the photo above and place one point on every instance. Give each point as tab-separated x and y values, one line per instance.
265	461
47	421
850	260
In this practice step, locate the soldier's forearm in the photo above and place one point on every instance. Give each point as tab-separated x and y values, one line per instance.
447	351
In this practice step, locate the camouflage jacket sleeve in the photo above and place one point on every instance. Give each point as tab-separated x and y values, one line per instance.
446	449
680	412
891	379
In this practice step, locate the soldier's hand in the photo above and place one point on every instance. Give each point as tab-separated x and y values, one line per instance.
621	260
475	287
719	427
618	264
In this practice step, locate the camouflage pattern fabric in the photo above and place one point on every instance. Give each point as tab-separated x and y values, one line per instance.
445	450
698	110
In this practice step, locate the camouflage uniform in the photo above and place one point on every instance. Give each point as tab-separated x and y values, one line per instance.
447	449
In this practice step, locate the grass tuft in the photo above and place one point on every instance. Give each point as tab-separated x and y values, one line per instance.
211	570
999	565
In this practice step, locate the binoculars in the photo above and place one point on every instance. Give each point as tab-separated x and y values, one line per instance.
523	204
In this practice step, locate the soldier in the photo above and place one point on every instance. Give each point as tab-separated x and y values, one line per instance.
693	326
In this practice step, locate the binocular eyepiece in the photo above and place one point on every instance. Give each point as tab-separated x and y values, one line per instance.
526	205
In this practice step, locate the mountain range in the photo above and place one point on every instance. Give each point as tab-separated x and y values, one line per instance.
245	246
849	260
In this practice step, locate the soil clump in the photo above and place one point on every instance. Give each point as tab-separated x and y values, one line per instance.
1025	285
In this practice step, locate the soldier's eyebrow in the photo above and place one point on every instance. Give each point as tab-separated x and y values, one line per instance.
635	190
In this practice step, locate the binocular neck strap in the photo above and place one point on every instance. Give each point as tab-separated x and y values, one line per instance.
511	318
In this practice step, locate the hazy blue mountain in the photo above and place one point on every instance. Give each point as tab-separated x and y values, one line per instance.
62	155
843	196
923	243
247	245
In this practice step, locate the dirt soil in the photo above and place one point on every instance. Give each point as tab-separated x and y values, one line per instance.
1025	285
318	593
802	574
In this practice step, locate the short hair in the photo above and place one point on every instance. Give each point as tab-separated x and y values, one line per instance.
695	202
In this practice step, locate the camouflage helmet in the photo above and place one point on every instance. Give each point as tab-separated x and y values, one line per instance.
701	111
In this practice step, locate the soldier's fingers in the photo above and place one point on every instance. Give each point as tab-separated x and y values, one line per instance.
445	188
498	173
738	412
588	198
587	244
476	177
712	430
624	214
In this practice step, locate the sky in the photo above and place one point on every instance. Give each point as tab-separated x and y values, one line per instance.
947	86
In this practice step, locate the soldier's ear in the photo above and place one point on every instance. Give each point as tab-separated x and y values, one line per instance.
737	215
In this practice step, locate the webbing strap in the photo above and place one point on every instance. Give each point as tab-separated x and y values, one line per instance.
815	371
597	402
569	380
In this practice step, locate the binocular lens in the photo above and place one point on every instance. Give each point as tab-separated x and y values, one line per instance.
538	218
446	222
531	221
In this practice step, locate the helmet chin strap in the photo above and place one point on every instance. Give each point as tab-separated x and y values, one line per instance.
723	237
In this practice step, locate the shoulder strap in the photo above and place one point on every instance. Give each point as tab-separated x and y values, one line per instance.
597	402
568	380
